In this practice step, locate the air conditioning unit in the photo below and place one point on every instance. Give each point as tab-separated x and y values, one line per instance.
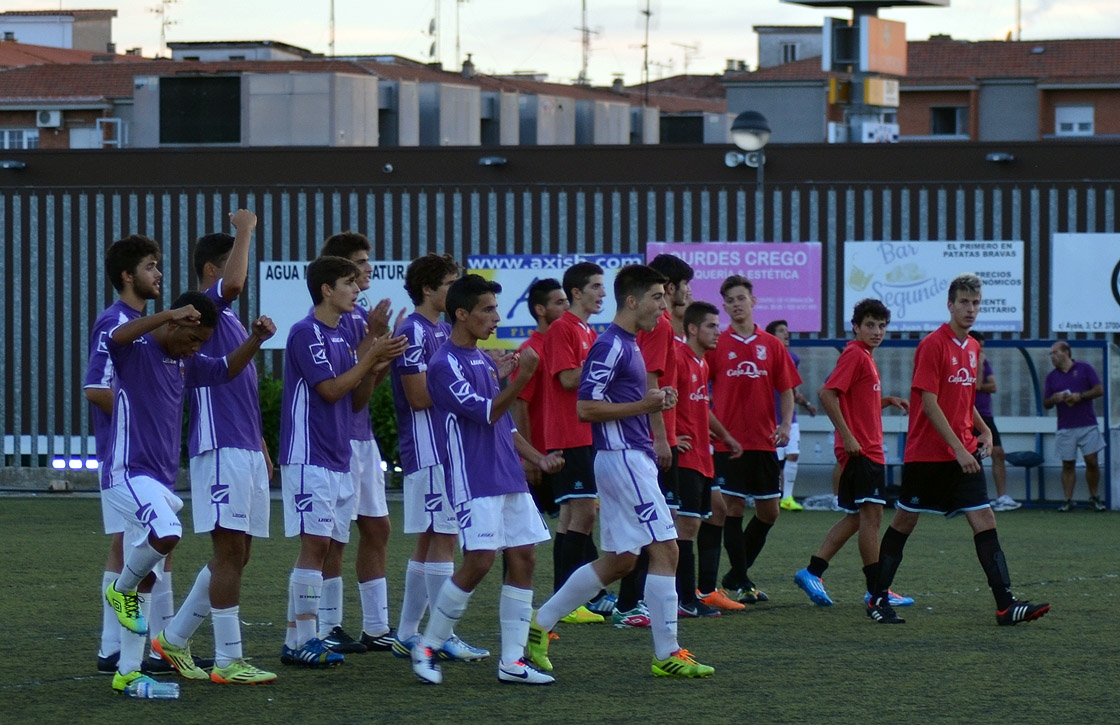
48	119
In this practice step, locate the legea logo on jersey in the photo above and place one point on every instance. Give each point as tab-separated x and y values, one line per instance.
146	514
963	377
599	372
219	493
463	392
464	517
432	503
319	354
102	346
303	502
647	512
748	369
413	355
700	395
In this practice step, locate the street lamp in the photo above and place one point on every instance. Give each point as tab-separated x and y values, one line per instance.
750	131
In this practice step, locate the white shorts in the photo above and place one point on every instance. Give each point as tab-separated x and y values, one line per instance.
229	489
368	480
1068	440
145	506
632	509
310	493
794	445
111	519
425	503
493	523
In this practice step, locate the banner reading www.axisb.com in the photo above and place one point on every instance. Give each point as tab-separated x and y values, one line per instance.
517	272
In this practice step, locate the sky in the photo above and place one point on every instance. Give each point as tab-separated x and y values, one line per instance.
505	36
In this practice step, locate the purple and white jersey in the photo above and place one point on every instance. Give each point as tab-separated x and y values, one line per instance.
355	326
228	416
314	432
478	458
100	372
148	409
616	373
415	428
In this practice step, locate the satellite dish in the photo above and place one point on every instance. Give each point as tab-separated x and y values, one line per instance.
432	51
432	27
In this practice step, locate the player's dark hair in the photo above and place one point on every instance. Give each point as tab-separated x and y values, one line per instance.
675	269
635	280
695	313
539	292
977	336
125	255
735	280
207	310
579	276
327	271
212	248
427	271
870	307
967	283
344	244
465	292
774	325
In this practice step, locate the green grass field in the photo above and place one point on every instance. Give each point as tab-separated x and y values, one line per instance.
785	661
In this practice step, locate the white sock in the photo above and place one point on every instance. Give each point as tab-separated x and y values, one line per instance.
330	606
138	563
661	598
435	574
581	586
192	612
227	635
110	625
515	610
163	602
375	606
415	600
789	473
132	645
306	588
447	610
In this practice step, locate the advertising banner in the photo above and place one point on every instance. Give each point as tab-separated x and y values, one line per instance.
517	272
1085	283
912	279
284	296
786	277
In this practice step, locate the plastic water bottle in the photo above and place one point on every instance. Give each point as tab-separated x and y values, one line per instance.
817	452
150	690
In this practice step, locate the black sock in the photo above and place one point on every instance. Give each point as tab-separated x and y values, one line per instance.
708	546
571	556
754	538
871	575
630	586
686	572
890	556
557	558
733	542
590	552
990	554
817	566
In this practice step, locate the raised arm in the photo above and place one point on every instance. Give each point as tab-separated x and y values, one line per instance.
237	265
133	330
262	329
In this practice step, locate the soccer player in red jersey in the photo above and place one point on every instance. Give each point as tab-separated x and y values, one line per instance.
852	397
749	366
941	470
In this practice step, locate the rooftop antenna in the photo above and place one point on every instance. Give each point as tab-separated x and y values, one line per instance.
434	53
690	52
164	21
585	43
332	29
1018	20
458	54
648	13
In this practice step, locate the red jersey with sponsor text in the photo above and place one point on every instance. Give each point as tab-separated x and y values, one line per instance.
946	366
533	392
856	381
658	350
746	372
566	345
693	407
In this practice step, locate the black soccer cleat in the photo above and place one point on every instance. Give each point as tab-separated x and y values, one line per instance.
1021	612
882	612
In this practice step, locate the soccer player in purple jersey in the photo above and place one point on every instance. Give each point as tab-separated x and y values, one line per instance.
323	376
426	510
230	470
156	359
481	451
132	266
614	397
363	498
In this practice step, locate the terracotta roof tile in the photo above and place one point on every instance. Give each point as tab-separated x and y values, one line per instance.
13	54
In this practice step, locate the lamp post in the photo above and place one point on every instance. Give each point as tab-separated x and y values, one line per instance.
750	131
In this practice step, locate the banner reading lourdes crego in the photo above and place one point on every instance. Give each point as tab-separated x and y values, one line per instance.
912	279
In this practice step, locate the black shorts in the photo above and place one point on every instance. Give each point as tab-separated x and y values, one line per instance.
696	494
577	478
862	481
941	487
991	423
755	473
668	479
